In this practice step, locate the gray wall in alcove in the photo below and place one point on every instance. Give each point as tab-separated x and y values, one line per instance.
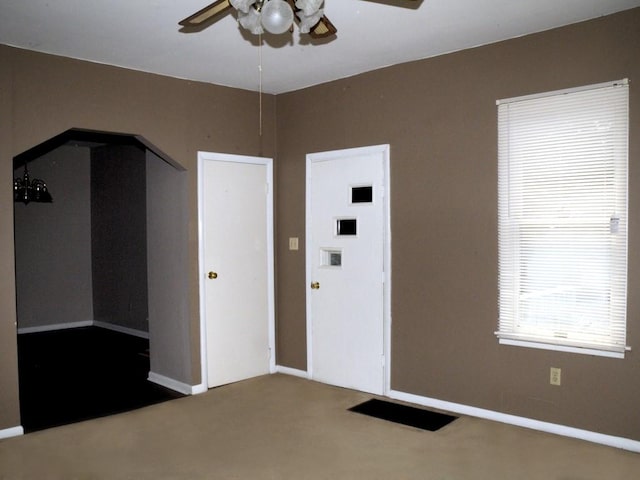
119	236
53	243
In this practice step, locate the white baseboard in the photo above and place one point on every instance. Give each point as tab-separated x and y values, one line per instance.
121	329
594	437
172	384
85	323
291	371
202	387
11	432
198	389
57	326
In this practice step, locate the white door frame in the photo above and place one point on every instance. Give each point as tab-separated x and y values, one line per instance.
384	150
224	157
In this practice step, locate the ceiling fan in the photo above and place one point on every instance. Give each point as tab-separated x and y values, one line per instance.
274	16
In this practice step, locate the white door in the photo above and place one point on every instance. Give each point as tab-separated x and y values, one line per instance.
236	267
346	267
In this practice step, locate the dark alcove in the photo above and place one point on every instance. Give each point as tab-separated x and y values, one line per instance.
89	303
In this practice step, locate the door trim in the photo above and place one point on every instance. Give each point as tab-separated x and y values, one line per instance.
383	150
224	157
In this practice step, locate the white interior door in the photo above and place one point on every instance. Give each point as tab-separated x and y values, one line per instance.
236	267
346	233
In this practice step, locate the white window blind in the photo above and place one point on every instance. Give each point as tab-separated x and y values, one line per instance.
562	215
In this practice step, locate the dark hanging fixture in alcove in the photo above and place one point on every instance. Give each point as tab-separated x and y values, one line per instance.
26	190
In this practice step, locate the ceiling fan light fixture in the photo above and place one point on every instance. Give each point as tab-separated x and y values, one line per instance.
309	7
307	22
242	5
250	21
277	16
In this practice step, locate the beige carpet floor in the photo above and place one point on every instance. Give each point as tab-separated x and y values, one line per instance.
281	427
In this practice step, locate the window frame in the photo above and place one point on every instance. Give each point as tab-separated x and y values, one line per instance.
509	330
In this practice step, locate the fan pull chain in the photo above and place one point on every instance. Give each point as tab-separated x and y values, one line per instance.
260	94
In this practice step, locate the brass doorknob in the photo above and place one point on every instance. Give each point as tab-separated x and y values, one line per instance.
315	285
212	275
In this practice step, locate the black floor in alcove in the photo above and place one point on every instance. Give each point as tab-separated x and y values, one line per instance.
67	376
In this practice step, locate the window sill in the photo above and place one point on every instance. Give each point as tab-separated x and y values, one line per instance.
562	348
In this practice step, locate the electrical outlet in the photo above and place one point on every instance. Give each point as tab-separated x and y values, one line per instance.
555	376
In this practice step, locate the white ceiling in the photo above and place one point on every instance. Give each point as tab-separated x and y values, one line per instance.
145	35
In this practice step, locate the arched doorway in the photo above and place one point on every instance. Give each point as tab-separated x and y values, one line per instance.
109	252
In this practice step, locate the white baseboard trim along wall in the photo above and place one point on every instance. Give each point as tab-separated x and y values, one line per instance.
11	432
85	323
202	387
291	371
198	389
57	326
563	430
594	437
172	384
121	329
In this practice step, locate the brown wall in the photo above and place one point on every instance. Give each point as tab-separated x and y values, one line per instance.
43	95
439	115
9	408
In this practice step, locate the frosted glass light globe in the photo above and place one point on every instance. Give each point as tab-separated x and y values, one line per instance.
308	7
250	21
242	5
277	16
309	21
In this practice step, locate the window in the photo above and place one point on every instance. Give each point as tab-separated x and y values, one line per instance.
362	194
346	226
562	219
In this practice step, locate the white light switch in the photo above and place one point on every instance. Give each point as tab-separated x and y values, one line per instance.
293	243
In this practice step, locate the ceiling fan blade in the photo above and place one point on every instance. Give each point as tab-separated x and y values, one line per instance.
324	28
413	4
207	13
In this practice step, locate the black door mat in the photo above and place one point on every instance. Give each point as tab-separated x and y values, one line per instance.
404	414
